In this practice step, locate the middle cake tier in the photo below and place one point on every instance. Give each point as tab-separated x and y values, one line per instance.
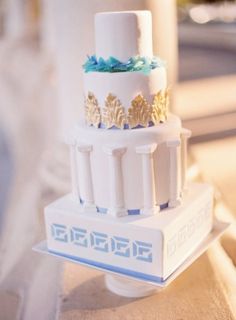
126	100
123	172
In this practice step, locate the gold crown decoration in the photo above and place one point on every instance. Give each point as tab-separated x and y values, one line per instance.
160	106
92	110
113	113
140	113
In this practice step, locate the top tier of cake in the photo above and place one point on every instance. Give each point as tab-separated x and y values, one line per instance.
124	85
123	34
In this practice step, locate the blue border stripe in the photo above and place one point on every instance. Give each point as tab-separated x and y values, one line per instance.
102	210
164	206
127	272
129	211
133	211
126	126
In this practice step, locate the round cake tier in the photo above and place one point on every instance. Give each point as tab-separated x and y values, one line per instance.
127	97
123	34
127	171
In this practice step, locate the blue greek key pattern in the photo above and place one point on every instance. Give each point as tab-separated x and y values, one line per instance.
78	237
98	241
59	232
120	246
142	251
186	232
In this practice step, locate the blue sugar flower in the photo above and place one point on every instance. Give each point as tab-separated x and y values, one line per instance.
113	63
134	64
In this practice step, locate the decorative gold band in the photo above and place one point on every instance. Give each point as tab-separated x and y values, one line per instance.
140	114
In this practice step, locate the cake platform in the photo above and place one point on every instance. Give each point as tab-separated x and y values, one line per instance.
132	284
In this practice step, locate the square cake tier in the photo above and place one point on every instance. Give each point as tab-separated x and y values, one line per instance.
145	247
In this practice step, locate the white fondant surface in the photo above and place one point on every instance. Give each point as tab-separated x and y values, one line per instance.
172	235
125	85
123	34
131	162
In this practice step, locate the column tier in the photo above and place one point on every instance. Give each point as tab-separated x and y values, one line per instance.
128	172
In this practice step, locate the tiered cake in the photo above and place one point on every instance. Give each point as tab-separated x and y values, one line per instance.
130	210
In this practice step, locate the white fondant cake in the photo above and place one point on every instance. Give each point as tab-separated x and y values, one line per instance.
128	211
125	85
140	191
123	34
148	248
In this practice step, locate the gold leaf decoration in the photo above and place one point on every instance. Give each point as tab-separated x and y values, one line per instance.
139	113
92	110
113	113
160	106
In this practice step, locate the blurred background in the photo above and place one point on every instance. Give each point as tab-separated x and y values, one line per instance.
43	44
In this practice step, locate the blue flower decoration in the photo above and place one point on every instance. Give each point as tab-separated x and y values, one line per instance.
134	64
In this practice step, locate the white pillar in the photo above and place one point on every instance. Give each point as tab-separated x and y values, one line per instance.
174	196
48	28
15	22
185	135
74	171
116	208
165	36
149	188
86	183
21	18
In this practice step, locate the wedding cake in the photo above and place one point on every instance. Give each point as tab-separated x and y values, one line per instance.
130	211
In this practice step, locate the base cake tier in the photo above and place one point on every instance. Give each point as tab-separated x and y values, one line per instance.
149	248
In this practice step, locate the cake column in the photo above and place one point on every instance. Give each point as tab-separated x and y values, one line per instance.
174	196
150	207
165	42
86	184
16	20
185	135
116	208
74	171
